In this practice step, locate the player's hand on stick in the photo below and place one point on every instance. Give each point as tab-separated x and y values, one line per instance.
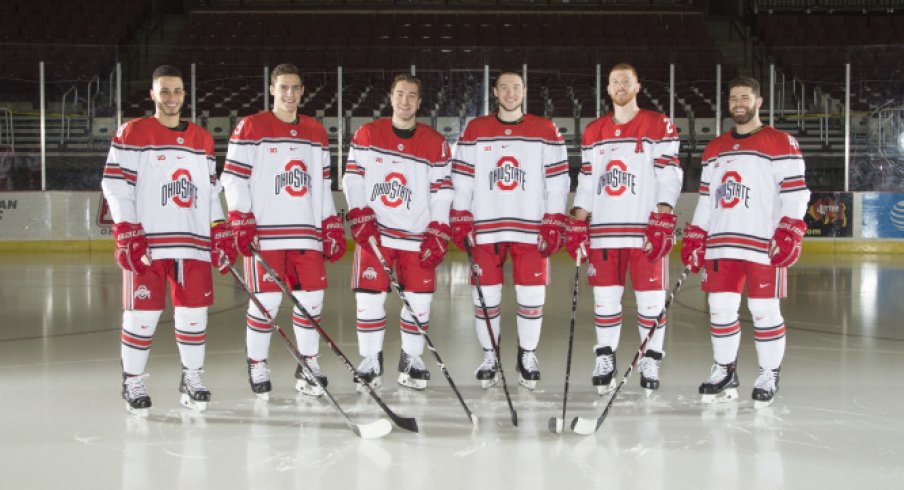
131	247
333	234
244	229
435	244
363	223
552	234
694	247
659	235
784	248
577	236
462	223
222	247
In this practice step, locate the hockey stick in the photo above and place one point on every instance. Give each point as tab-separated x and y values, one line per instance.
420	327
371	430
586	426
486	316
407	423
556	424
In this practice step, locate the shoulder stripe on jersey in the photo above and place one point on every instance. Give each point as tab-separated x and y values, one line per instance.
140	149
277	141
524	139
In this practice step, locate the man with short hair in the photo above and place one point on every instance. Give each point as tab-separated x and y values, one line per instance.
747	228
278	191
510	174
629	183
398	189
161	185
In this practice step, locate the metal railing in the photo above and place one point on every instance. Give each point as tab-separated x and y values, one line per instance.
64	123
6	125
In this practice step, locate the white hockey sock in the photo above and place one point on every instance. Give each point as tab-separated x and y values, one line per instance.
138	329
607	312
492	295
530	314
191	335
258	329
305	333
371	322
724	329
768	331
649	306
412	341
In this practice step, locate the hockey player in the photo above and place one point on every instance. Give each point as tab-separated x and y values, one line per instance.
629	182
747	228
510	174
277	183
161	184
399	190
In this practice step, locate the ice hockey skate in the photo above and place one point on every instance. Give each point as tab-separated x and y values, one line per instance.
412	372
765	388
259	378
649	370
528	368
306	385
487	373
138	402
370	370
722	385
604	371
195	395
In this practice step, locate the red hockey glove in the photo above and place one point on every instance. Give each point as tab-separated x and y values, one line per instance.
784	249
694	247
435	244
462	223
222	247
244	229
131	247
577	236
552	234
659	235
333	235
363	222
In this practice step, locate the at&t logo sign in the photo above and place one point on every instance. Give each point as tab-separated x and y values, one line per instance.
295	181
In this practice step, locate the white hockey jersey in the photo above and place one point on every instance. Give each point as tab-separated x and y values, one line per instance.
406	181
748	184
166	180
626	170
280	172
509	175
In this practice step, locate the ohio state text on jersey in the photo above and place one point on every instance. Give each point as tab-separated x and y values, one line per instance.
166	180
510	174
748	183
626	170
280	172
406	181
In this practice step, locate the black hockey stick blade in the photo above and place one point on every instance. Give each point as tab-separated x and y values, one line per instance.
556	425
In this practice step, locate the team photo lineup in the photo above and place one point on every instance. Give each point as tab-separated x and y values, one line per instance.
500	194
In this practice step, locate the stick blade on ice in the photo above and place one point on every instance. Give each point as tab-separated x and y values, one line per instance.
374	430
556	425
584	426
